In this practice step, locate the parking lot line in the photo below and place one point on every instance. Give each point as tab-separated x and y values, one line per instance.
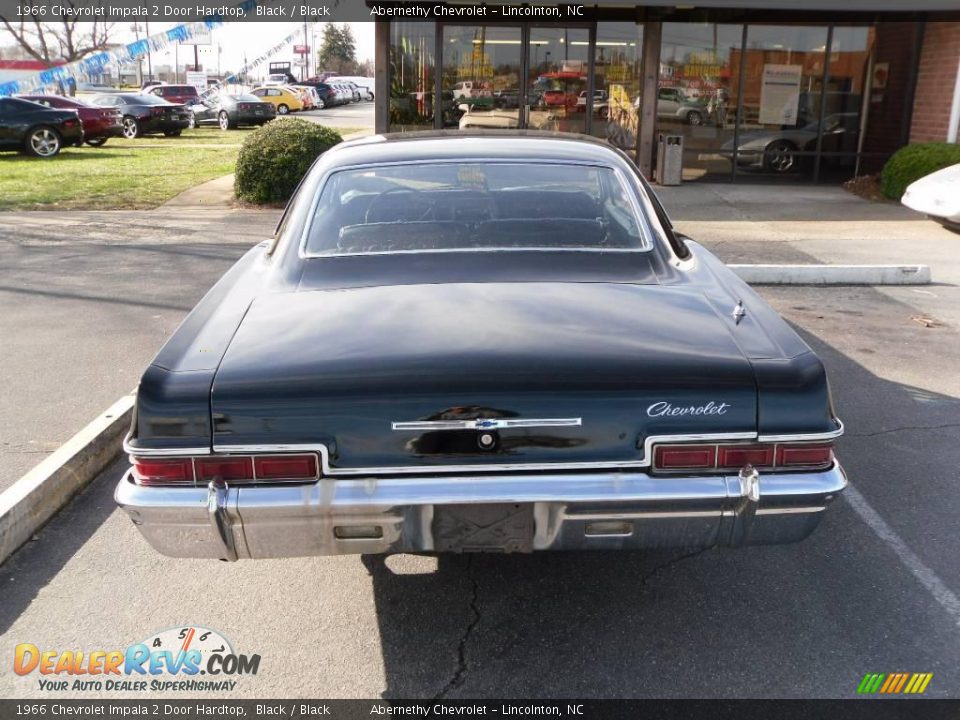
927	577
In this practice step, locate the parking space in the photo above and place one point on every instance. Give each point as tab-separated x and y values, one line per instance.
873	590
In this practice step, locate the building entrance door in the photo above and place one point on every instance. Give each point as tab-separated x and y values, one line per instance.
557	83
516	77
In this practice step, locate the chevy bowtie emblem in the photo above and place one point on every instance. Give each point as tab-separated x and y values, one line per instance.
486	424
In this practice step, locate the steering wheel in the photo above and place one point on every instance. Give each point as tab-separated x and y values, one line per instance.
417	203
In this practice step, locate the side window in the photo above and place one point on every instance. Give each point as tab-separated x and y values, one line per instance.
258	93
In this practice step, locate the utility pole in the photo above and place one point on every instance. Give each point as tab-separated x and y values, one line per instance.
149	55
303	58
136	35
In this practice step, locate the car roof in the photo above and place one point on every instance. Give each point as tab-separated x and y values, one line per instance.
498	145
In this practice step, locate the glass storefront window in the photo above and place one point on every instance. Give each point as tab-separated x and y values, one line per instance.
411	75
698	92
618	61
481	76
843	102
783	79
558	63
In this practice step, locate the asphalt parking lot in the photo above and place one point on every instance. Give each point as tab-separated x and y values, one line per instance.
354	115
872	591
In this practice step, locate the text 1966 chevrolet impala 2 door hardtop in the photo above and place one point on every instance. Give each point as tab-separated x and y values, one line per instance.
477	343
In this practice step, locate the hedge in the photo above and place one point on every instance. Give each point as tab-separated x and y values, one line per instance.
914	162
275	157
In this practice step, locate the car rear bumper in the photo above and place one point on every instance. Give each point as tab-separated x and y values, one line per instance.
583	511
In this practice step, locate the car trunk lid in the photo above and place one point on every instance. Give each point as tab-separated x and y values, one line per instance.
402	377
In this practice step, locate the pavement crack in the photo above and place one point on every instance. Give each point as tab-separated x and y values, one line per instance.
670	563
460	674
945	426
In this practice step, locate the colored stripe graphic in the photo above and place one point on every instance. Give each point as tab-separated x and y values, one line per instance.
894	683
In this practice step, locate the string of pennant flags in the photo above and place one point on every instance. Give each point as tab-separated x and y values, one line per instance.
140	48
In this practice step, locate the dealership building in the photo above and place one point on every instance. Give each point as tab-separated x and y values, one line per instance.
814	90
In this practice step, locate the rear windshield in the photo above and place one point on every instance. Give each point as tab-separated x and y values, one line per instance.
245	98
469	206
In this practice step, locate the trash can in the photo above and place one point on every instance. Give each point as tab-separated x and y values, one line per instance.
670	159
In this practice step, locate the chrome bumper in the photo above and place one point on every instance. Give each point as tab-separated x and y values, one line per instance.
582	511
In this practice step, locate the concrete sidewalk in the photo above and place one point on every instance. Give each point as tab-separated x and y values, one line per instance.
820	224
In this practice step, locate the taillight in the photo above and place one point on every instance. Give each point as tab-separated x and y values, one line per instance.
804	455
70	123
726	457
286	467
157	111
736	456
243	469
675	457
157	471
224	468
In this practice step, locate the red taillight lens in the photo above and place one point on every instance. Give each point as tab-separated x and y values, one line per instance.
669	457
286	467
736	456
804	455
175	471
224	468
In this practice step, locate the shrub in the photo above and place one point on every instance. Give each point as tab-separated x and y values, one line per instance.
914	162
274	158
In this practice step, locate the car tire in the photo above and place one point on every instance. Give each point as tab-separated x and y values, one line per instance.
192	121
42	142
321	104
604	113
282	109
172	133
96	142
223	119
694	118
131	127
779	156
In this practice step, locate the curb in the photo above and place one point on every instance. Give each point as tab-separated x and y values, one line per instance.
833	274
37	496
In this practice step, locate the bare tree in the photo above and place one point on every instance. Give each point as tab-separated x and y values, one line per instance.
67	40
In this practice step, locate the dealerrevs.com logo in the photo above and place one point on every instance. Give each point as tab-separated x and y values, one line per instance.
188	659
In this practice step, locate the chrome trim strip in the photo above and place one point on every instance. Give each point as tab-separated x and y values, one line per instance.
644	514
805	437
217	499
486	424
790	510
161	452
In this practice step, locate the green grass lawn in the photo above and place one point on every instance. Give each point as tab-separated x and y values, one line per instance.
123	174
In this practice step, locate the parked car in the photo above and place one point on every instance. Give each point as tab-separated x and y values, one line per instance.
326	96
344	93
781	151
232	111
365	85
99	124
276	79
937	195
357	94
492	345
146	114
283	99
177	94
36	129
675	103
601	103
306	97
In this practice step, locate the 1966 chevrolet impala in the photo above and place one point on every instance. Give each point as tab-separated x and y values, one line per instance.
478	343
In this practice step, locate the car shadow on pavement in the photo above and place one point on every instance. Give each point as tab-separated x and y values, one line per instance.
777	621
25	573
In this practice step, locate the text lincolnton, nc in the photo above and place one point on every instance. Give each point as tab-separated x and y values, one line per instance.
427	11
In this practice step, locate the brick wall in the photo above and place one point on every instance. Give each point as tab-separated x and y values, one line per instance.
888	107
936	79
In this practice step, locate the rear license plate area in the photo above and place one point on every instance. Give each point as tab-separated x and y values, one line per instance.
499	528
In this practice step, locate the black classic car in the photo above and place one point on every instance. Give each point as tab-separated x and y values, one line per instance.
145	114
232	111
478	343
37	130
